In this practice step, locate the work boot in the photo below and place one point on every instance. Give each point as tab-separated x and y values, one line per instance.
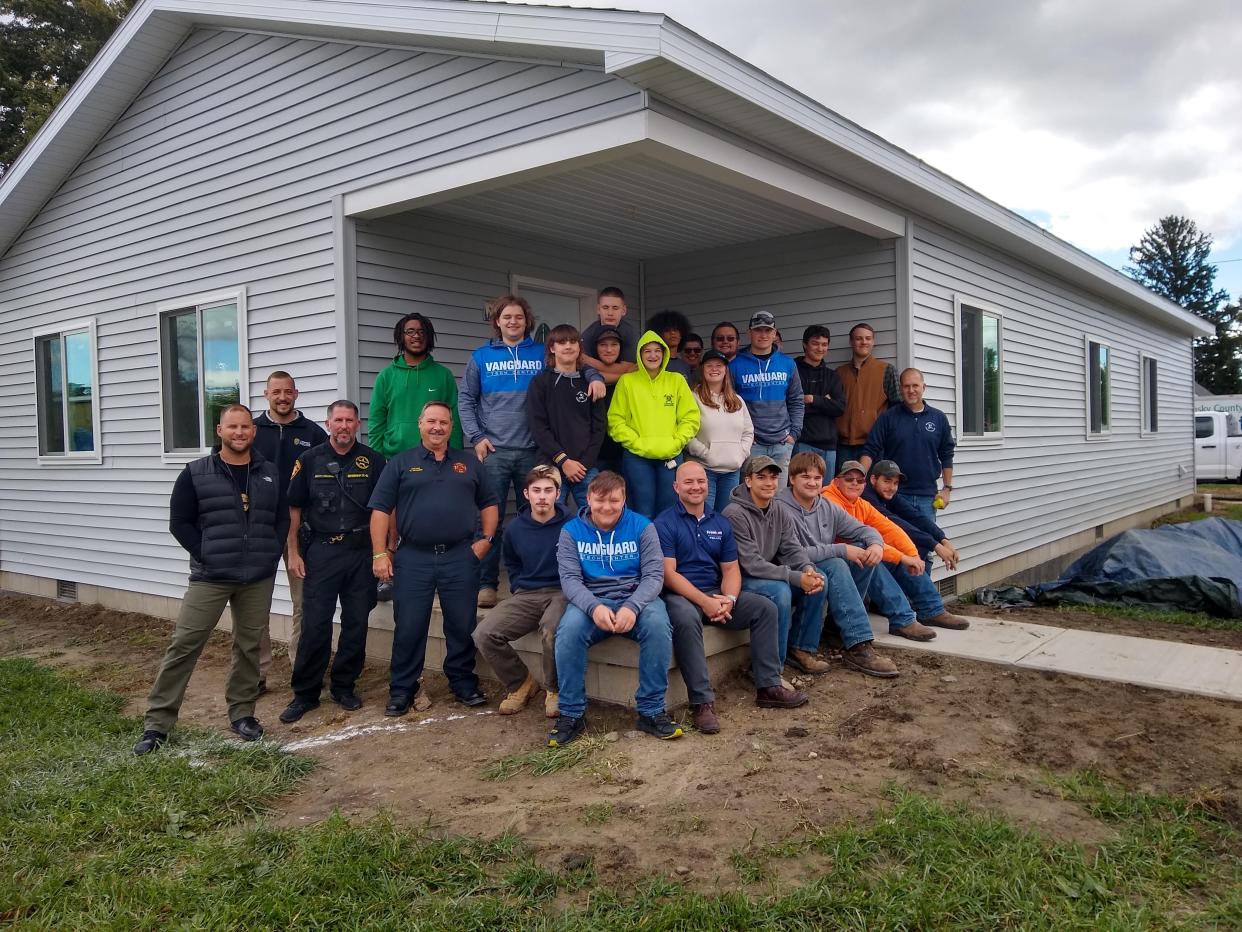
946	620
778	697
516	701
487	597
296	709
805	662
914	632
704	718
347	699
150	741
552	704
247	728
862	657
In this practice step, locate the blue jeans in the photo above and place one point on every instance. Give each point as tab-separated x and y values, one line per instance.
781	452
505	468
920	591
848	612
577	632
720	486
577	491
885	595
780	594
830	459
922	502
648	483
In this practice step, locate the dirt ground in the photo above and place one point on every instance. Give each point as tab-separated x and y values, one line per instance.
954	729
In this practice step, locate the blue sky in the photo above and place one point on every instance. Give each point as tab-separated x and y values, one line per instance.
1093	117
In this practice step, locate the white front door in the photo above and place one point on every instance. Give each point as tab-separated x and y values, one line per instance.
557	303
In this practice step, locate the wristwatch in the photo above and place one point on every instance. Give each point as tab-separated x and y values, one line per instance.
731	598
490	538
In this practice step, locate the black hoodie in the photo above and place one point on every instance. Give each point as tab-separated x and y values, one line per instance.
564	421
282	444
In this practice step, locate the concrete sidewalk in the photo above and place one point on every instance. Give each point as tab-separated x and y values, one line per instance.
1188	668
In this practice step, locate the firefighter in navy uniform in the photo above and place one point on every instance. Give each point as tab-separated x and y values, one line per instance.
330	546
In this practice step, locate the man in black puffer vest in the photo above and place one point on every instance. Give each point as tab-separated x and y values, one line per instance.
226	512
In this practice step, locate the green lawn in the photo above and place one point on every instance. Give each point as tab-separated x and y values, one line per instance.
92	837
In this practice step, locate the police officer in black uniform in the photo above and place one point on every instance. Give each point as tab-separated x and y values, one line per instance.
440	496
329	545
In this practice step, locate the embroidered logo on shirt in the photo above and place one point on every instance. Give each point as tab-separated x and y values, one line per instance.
416	469
581	397
668	401
930	427
301	443
362	462
459	467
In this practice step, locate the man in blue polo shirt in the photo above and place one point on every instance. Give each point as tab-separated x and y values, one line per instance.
703	585
768	381
918	437
440	496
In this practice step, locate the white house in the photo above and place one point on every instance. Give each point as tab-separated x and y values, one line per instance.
235	187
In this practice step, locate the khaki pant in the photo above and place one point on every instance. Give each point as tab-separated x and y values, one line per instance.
201	608
518	615
295	625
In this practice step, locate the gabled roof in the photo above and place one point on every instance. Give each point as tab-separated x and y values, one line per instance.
649	50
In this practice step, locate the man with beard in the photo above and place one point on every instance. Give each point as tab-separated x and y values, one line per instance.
226	512
329	533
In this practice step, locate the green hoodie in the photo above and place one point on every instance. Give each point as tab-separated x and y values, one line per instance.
400	392
653	417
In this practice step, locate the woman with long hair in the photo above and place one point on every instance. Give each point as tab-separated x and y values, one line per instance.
725	430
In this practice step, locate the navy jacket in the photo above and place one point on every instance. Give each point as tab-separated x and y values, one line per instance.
921	444
282	444
529	550
925	533
819	425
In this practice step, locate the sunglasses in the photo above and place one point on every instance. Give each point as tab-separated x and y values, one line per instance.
853	480
693	350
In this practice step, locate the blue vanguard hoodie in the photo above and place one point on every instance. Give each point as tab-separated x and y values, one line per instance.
772	390
625	564
492	400
529	550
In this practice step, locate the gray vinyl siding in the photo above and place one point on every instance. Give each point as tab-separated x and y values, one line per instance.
220	177
1047	480
449	270
832	277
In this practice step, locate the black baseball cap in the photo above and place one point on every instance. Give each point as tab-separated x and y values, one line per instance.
709	355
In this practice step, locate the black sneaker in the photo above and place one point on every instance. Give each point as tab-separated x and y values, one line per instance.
150	741
247	728
661	725
567	729
398	705
296	709
346	699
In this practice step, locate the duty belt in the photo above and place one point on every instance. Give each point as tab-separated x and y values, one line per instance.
343	536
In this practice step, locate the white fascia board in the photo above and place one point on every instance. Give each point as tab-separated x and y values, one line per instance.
585	145
737	167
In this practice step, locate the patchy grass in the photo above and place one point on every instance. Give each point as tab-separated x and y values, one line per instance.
1220	509
541	762
1186	619
92	837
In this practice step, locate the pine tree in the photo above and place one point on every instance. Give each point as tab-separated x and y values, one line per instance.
1172	260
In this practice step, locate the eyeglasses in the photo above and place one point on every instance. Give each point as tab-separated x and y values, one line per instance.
414	332
853	480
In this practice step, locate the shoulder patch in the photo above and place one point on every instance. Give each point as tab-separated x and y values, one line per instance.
297	468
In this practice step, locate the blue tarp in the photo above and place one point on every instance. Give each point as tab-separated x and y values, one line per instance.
1193	567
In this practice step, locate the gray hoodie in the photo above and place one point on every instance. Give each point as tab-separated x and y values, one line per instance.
767	539
819	528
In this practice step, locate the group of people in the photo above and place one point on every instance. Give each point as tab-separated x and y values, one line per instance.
662	485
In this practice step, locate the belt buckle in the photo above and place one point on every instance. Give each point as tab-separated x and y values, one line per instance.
439	548
336	539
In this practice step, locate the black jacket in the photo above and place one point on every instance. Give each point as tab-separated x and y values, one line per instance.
282	444
232	529
819	425
563	421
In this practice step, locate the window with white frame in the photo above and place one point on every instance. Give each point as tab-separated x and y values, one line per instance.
1150	376
66	393
981	390
1099	387
202	368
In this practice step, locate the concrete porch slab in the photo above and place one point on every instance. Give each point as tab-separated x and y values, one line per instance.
993	641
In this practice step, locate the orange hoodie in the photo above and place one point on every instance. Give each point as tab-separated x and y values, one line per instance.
896	541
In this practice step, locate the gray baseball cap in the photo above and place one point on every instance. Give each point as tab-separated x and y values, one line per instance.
851	466
759	463
888	469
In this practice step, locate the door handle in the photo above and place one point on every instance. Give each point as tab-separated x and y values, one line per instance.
1208	446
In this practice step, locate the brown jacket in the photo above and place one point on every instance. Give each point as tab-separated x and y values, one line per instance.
865	399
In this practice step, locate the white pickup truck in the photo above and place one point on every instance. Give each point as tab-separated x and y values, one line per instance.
1218	447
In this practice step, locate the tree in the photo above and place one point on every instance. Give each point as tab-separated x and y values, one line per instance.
1172	260
45	45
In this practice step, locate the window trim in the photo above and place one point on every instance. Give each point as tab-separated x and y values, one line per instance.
1146	403
1105	433
197	302
994	438
94	457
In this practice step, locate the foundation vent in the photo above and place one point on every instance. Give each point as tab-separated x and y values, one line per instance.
947	586
1099	532
68	591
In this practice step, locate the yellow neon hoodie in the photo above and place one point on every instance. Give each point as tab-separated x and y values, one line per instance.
653	417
